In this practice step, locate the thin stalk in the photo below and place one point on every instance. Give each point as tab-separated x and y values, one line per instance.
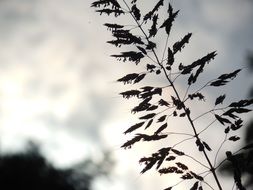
216	155
197	161
207	112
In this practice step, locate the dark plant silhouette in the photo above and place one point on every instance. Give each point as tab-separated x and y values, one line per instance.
29	170
156	107
244	159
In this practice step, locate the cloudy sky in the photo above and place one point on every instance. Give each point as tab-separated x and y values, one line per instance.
57	79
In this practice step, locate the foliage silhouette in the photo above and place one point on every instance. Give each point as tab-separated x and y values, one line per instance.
245	159
31	171
155	107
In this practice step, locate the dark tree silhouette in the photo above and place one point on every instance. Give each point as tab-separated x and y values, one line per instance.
29	170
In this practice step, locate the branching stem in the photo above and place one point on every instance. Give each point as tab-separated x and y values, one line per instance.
212	169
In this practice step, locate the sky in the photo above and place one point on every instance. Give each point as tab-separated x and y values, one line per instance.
57	81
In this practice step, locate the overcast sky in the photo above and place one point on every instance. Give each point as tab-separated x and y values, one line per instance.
57	79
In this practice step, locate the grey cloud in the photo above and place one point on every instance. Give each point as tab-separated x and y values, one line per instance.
55	52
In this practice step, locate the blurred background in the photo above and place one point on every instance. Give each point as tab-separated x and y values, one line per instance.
57	86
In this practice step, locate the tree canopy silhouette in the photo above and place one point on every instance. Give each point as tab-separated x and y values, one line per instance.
29	170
